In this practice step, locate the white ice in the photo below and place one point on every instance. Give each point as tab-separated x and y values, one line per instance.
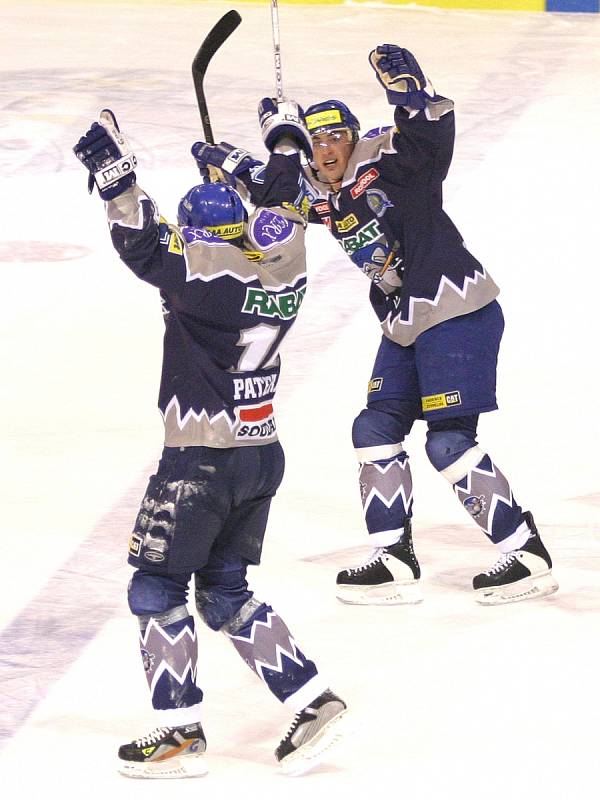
449	699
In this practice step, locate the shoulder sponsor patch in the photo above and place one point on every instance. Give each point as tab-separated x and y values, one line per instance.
363	183
175	244
434	402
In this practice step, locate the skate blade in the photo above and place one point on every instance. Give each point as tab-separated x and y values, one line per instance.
192	766
390	594
315	752
526	589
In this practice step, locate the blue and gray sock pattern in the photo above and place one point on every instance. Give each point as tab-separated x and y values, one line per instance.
486	494
267	646
386	492
170	656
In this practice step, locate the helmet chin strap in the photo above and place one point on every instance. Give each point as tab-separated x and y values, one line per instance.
317	176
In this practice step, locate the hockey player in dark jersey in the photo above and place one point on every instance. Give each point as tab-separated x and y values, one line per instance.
381	198
231	287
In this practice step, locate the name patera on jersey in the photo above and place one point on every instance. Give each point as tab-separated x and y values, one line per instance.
252	388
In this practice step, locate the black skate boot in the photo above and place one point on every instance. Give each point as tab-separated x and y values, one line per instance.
165	753
314	731
388	577
519	575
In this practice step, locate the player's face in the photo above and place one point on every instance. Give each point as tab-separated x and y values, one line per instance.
332	151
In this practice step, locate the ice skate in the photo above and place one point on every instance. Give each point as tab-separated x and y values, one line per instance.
522	574
165	753
313	732
388	577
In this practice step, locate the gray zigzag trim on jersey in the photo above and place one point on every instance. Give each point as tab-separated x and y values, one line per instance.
450	301
283	266
197	428
386	482
267	642
487	488
127	211
175	655
435	109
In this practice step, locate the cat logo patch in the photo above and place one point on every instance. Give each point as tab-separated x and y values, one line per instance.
434	402
375	385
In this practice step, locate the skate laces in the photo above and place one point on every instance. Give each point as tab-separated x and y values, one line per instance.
504	561
154	736
293	726
375	556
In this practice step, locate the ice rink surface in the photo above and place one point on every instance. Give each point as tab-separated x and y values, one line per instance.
448	699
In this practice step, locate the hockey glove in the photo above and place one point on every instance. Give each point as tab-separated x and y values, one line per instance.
223	156
106	154
285	119
400	75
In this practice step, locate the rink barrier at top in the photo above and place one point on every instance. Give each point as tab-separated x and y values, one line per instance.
567	6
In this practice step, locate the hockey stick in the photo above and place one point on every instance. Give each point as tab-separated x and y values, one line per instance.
218	34
276	50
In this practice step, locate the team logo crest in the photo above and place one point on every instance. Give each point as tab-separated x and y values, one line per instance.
475	505
269	229
378	202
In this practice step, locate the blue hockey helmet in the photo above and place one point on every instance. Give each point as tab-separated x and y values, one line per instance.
215	207
331	115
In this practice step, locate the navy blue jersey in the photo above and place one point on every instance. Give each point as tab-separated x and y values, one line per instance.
388	218
226	310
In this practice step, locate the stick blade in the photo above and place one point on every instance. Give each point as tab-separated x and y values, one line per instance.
221	31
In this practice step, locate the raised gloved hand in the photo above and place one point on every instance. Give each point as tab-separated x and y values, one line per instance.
223	156
400	75
107	155
285	119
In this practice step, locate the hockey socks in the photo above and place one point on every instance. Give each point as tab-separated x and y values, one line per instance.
264	642
386	493
169	650
486	495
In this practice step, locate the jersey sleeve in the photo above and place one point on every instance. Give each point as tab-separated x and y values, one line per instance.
425	136
279	183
